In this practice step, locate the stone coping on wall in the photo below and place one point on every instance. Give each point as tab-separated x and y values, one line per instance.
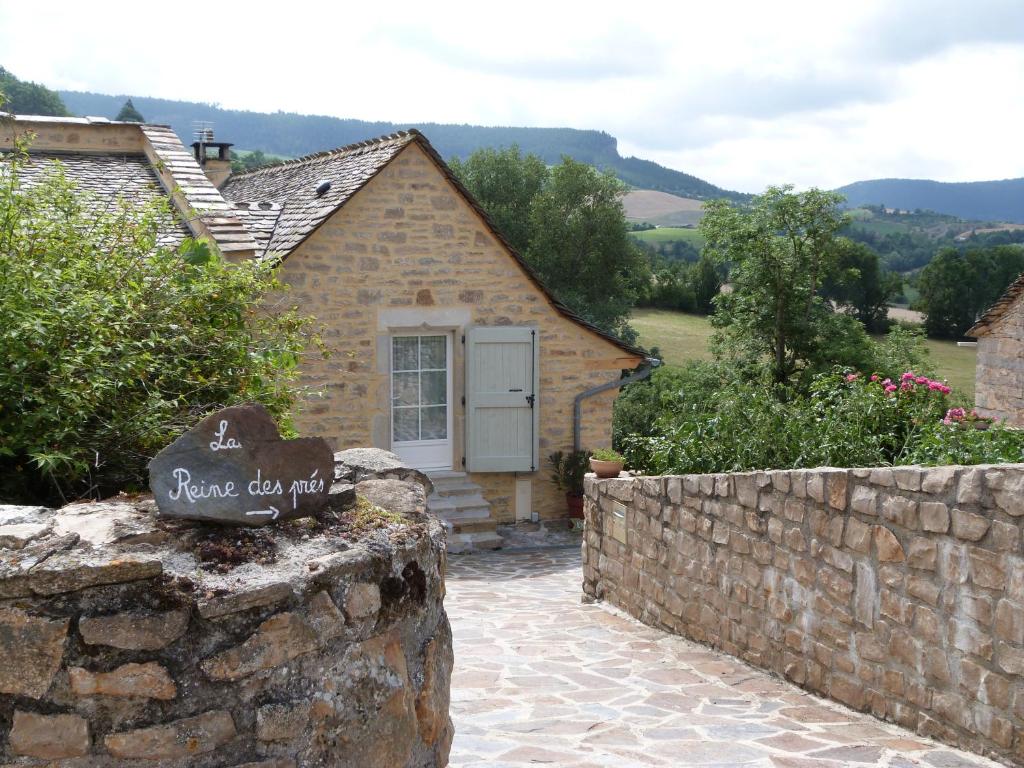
128	640
894	590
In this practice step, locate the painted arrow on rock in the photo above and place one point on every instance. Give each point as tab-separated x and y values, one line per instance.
273	512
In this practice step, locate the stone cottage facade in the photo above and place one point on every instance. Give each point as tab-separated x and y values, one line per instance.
999	373
447	349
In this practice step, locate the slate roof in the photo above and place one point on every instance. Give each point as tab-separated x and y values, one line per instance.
207	203
997	310
293	187
107	179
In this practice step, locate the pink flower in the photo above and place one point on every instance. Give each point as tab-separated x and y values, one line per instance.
934	386
907	375
890	388
907	385
852	376
945	390
887	382
954	415
922	380
874	377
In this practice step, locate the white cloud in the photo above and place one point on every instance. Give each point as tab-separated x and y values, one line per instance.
741	93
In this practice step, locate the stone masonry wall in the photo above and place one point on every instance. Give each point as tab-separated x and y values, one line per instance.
128	641
408	253
999	372
896	591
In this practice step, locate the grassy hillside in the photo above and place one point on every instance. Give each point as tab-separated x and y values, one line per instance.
292	135
681	338
653	207
670	235
982	200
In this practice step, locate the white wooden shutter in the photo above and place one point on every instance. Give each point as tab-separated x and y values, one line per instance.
501	399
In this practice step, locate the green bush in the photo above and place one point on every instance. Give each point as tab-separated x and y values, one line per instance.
845	420
113	346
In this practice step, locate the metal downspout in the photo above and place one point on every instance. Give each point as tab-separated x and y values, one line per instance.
577	407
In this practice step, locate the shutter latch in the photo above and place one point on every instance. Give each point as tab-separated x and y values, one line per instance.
530	399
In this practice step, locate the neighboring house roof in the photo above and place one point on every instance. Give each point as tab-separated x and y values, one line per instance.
108	180
293	187
146	154
994	313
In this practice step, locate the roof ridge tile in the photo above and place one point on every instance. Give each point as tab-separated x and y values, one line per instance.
406	135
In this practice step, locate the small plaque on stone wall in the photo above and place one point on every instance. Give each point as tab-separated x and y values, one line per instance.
234	467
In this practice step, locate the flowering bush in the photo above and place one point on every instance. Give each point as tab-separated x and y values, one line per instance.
846	419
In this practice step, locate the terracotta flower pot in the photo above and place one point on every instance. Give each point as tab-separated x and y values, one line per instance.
574	504
606	468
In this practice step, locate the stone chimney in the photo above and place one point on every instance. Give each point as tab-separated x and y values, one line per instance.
214	157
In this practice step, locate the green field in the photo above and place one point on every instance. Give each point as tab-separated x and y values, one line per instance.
681	337
670	235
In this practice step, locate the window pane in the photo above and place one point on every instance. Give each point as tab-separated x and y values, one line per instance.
435	422
405	424
406	389
405	353
435	385
432	352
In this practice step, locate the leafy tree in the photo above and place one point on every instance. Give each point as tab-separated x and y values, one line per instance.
130	114
581	248
505	182
780	251
113	346
860	285
944	284
706	279
242	162
956	287
569	224
25	98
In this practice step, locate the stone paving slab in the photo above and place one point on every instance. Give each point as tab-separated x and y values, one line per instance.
542	679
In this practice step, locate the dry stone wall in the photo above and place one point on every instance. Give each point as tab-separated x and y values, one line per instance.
898	591
127	640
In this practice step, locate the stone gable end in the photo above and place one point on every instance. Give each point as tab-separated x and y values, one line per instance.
408	251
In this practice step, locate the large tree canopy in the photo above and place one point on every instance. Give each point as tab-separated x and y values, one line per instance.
25	98
113	346
957	286
569	223
781	252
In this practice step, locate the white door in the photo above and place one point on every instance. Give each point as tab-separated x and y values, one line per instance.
421	414
501	399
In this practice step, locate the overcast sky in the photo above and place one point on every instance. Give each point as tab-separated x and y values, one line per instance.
741	94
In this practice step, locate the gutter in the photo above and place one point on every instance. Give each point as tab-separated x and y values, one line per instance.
650	363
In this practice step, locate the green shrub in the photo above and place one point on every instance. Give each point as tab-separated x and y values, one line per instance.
607	454
113	346
569	469
845	420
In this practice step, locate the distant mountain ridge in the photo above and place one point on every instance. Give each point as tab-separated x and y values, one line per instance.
971	200
293	135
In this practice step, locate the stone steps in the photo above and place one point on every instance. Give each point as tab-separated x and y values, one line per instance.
461	506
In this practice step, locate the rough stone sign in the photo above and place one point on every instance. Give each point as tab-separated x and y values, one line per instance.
234	467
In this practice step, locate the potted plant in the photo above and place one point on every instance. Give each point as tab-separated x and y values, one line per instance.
606	463
569	469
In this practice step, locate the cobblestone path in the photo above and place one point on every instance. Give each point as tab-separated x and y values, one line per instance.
541	679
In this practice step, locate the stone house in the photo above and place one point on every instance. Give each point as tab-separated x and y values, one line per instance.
999	372
447	348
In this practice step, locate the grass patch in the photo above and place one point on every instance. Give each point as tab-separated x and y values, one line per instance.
663	235
681	338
